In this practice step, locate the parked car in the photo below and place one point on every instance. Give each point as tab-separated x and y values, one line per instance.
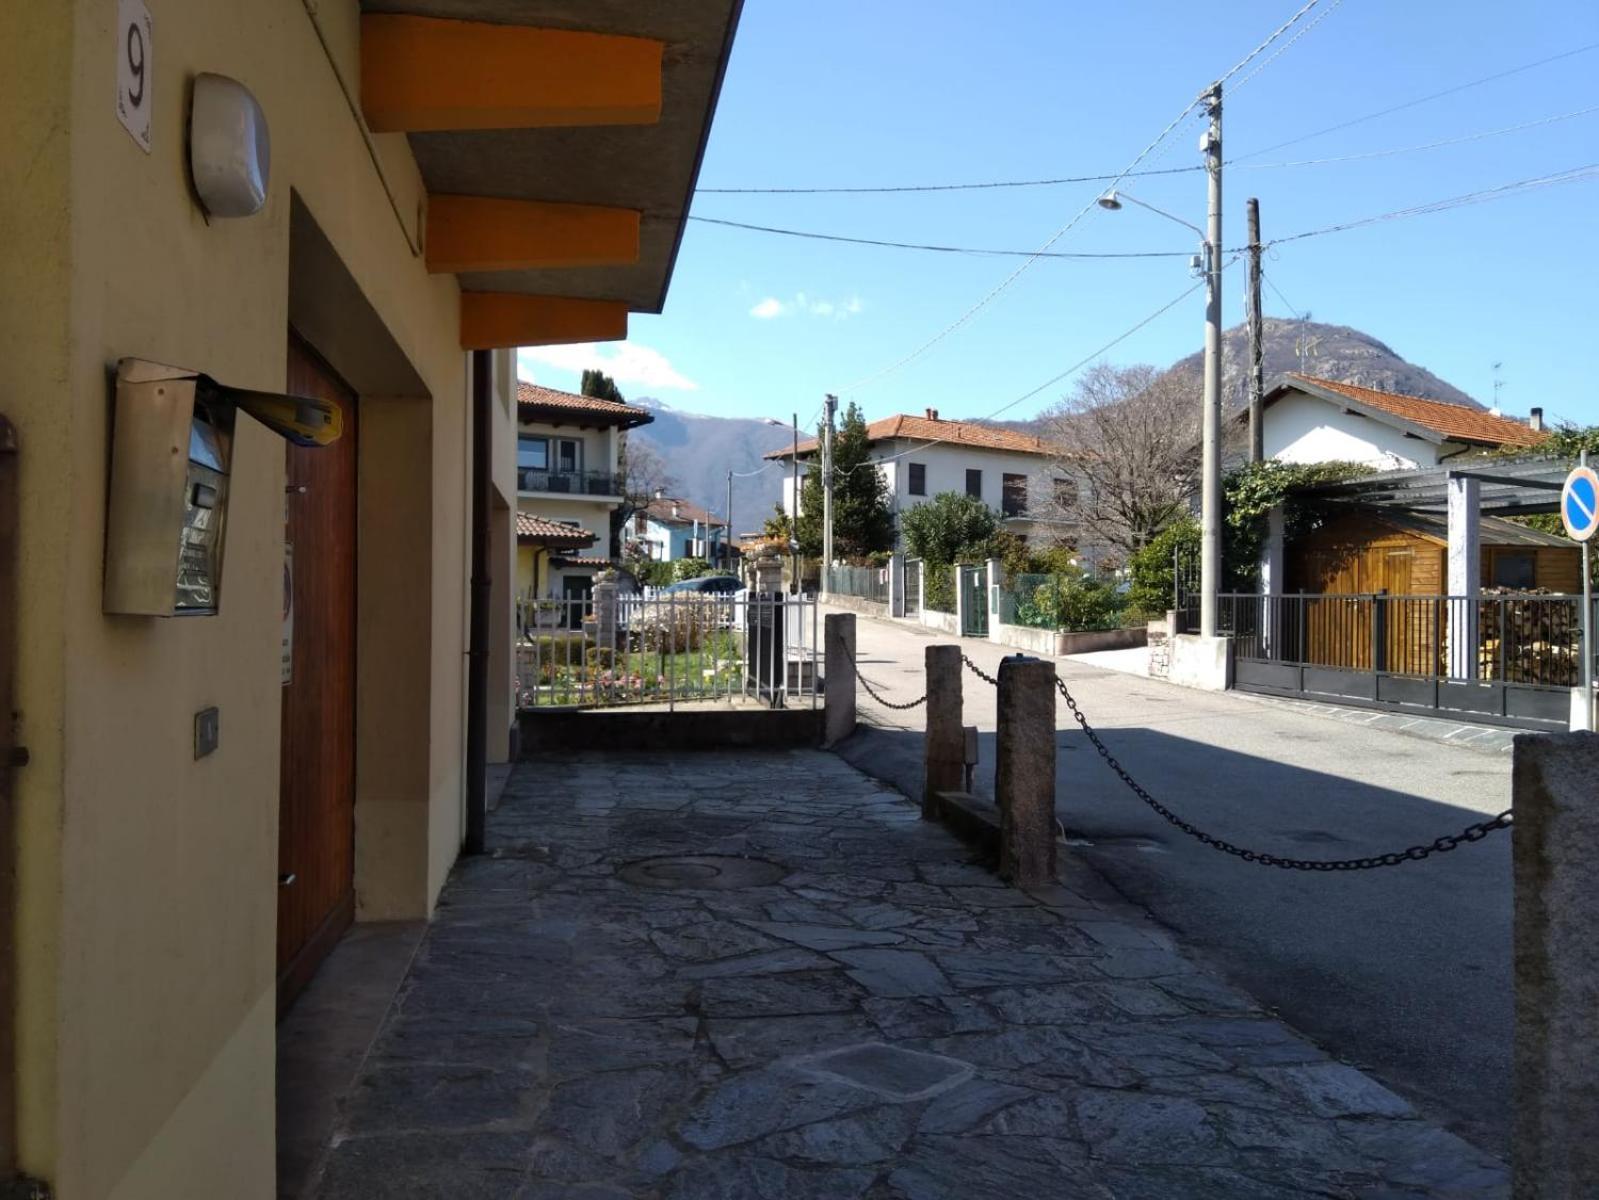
707	585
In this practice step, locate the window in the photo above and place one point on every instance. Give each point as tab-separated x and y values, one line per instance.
569	456
641	523
1013	494
533	453
918	479
1514	570
1066	493
974	483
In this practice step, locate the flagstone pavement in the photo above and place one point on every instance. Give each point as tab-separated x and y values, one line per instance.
730	976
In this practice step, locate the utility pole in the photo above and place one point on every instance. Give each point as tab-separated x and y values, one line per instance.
1257	341
727	541
1210	495
830	405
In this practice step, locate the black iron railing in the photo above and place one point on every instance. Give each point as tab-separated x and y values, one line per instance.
1514	638
574	483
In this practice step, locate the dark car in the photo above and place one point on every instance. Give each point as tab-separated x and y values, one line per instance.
707	585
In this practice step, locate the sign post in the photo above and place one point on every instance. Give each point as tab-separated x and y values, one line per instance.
1579	511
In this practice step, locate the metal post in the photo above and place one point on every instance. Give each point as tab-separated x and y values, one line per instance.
727	534
1587	624
793	524
831	405
1257	339
1210	496
477	697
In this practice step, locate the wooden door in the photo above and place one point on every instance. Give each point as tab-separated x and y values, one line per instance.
316	813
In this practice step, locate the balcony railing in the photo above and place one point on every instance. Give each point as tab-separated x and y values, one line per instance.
573	483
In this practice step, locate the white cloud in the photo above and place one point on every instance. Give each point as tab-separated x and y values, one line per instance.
836	310
625	362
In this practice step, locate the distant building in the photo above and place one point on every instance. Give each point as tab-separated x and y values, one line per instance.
670	528
921	457
567	453
1309	420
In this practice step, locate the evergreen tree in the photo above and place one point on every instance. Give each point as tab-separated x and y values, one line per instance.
600	386
863	523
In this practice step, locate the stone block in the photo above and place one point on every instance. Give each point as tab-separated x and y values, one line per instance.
1024	773
944	744
1201	662
838	695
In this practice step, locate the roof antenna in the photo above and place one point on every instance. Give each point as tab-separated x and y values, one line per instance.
1498	383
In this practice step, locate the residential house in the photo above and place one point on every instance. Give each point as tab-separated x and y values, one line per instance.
544	548
568	450
670	528
1310	420
195	810
920	457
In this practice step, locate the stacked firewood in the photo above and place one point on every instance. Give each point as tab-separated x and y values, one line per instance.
1528	636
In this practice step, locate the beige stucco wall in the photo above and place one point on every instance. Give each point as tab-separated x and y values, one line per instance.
147	896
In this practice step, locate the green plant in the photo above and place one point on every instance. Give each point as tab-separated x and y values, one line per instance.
1248	496
1070	600
1150	579
863	522
689	568
951	527
938	583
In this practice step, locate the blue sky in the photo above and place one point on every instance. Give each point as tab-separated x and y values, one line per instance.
844	93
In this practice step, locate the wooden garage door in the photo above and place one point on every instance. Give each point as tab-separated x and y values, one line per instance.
316	816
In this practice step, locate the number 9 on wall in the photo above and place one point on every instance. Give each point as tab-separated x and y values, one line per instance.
135	44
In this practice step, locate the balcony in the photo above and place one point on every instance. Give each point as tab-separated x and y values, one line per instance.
568	483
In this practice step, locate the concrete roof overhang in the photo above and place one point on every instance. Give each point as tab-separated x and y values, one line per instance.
649	168
1507	487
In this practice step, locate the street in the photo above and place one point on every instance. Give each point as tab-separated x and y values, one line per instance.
1404	971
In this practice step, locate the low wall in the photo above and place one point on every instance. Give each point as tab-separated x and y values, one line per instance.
690	729
1201	662
856	604
941	621
1055	642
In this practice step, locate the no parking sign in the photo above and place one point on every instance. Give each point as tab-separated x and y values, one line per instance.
1579	503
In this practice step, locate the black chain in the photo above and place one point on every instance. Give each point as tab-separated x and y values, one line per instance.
871	691
1471	833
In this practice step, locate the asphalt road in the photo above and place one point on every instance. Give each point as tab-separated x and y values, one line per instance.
1404	971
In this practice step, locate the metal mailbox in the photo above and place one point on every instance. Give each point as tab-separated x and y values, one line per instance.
171	445
167	509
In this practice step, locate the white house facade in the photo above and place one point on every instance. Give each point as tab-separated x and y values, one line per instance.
568	450
921	457
1309	420
670	528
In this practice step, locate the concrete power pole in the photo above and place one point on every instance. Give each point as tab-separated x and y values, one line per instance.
831	405
1210	495
727	540
793	522
1257	341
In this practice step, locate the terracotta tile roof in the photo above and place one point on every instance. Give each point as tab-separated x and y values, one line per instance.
1453	421
556	533
533	400
582	560
932	429
687	512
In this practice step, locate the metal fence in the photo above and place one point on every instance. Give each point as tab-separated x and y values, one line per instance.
913	587
667	649
869	583
1514	638
938	587
1186	587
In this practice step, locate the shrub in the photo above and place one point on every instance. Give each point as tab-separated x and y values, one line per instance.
1070	600
1152	588
689	568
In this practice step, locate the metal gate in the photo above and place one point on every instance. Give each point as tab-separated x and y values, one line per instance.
974	601
913	587
1503	659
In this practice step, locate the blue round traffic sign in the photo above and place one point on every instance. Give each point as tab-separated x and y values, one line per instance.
1579	503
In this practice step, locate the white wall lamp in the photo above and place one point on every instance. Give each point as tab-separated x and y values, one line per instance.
230	151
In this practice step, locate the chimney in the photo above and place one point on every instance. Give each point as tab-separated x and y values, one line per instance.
659	494
932	414
1535	420
677	510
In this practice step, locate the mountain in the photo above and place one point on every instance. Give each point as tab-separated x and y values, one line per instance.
1334	352
699	451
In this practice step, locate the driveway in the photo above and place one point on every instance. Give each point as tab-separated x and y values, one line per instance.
1404	971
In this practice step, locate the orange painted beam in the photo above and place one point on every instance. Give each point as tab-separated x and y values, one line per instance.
428	73
480	233
494	320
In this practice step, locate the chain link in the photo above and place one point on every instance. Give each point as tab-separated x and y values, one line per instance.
871	691
1471	833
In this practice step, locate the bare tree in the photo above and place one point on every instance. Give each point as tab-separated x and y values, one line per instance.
642	474
1127	449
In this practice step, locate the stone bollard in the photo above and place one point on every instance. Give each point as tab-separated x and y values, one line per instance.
1024	771
768	571
838	699
604	600
1555	849
944	744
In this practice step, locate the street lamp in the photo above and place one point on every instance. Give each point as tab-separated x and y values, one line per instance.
1210	265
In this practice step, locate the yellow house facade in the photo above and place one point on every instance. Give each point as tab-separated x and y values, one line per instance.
437	191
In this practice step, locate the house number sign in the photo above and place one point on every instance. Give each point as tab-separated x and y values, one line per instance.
134	48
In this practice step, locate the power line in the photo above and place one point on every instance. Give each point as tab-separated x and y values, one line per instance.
1575	175
1054	379
1459	87
1306	28
1271	283
1239	163
973	250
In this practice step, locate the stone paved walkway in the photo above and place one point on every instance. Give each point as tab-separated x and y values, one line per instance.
870	1016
